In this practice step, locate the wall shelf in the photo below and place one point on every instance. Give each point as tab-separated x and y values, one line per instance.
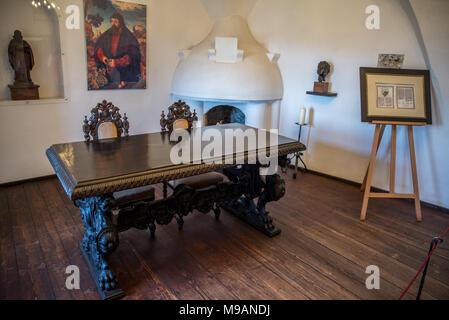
9	103
329	94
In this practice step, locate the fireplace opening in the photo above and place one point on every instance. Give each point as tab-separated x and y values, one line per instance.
224	114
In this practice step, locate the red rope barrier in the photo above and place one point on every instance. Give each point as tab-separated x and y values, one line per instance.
423	265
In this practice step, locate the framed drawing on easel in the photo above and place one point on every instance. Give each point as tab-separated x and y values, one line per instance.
395	95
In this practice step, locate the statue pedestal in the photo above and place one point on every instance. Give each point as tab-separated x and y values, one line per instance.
28	91
321	87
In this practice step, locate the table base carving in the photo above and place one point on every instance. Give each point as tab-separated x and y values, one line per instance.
112	294
244	207
103	220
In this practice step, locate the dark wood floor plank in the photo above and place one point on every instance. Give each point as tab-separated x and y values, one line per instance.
235	247
26	245
134	278
74	234
216	288
412	233
10	283
54	248
214	253
390	245
401	210
409	253
37	266
357	252
322	252
221	260
72	211
295	265
205	279
334	266
61	241
182	272
62	220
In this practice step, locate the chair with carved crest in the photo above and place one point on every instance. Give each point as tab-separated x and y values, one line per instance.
180	117
106	122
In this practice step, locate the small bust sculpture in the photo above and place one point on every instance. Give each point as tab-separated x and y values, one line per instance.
323	70
21	59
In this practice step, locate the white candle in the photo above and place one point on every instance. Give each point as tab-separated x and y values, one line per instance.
310	116
302	117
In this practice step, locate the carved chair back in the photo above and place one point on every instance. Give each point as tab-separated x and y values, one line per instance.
105	122
178	117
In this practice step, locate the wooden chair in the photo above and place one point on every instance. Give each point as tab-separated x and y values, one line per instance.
105	123
180	117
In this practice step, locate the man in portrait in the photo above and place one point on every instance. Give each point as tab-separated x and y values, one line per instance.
117	50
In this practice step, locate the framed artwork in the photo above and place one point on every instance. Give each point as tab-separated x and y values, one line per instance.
392	61
116	45
395	95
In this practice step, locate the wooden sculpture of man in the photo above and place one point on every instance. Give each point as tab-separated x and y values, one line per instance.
21	60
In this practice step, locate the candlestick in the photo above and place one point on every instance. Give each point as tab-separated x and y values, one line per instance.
302	117
310	116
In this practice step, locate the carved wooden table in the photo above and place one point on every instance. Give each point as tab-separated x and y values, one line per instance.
91	171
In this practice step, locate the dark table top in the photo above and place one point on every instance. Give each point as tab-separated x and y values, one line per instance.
104	166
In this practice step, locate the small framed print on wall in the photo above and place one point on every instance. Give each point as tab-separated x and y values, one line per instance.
395	95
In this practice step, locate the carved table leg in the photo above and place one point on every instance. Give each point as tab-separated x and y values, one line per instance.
164	190
217	212
272	189
152	227
180	221
100	240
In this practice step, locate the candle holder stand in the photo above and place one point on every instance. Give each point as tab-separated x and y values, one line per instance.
298	155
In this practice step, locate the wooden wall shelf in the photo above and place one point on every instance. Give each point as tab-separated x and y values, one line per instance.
329	94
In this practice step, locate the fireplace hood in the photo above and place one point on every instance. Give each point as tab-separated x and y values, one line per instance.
255	78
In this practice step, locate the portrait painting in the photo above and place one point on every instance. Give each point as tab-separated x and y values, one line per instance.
116	34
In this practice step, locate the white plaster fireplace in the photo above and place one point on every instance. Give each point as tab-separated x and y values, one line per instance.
249	80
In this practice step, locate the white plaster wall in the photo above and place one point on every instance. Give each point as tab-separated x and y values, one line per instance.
253	79
26	131
432	17
305	32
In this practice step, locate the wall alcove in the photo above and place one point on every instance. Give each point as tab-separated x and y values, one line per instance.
41	28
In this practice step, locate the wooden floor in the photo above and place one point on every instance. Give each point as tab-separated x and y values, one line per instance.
322	252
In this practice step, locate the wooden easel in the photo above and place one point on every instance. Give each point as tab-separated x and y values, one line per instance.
366	185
